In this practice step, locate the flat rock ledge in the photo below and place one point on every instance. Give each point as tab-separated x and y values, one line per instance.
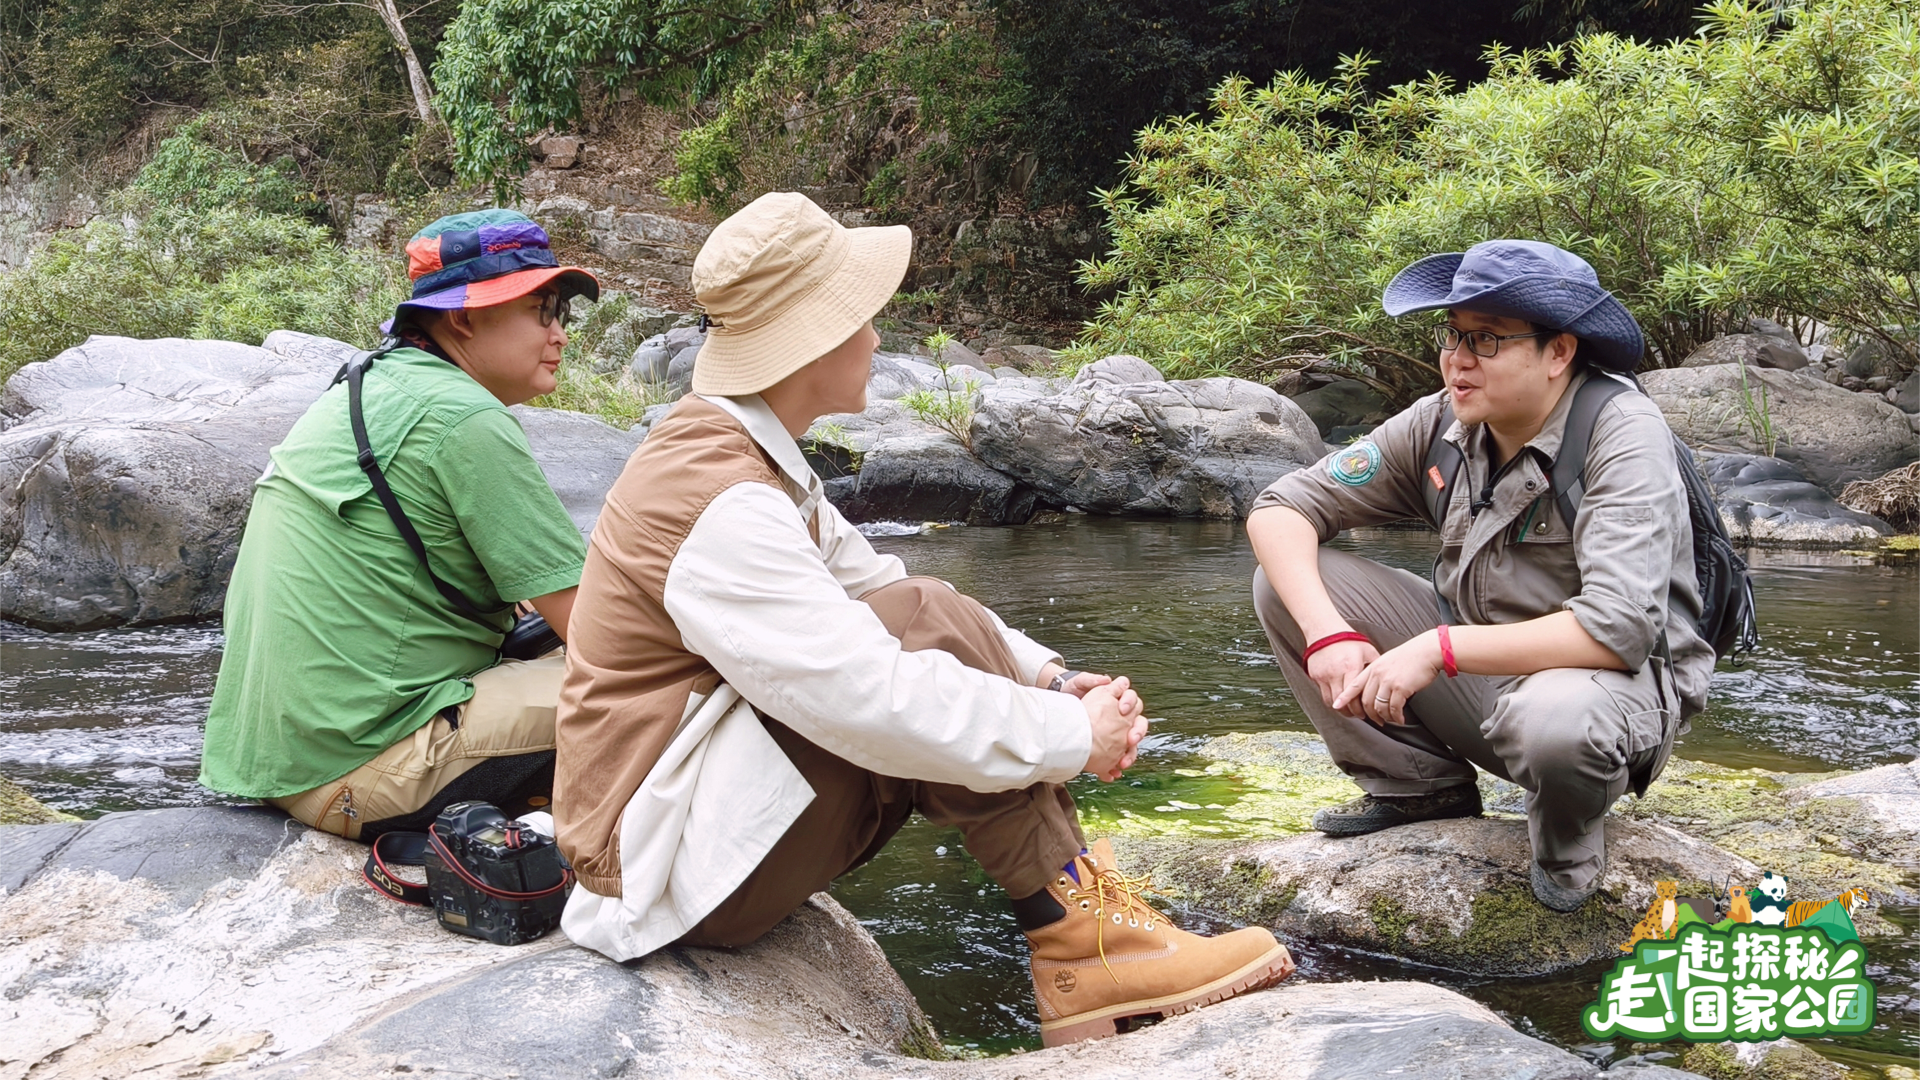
1455	894
212	942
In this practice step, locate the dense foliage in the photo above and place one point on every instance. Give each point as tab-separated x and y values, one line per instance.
207	254
314	79
512	69
1767	166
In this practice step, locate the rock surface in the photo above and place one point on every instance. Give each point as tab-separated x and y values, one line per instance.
1830	434
1193	448
1768	501
1455	893
1759	350
912	471
208	942
127	467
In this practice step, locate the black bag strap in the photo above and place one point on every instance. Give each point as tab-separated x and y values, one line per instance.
405	849
1568	476
1441	472
354	371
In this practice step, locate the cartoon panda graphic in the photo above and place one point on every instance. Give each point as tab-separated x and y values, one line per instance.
1770	900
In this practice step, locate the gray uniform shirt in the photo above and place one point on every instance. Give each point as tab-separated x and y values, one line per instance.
1624	566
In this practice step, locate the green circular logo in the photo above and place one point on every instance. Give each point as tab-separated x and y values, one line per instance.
1356	464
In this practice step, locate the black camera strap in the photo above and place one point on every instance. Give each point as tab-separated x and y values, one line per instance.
405	849
354	372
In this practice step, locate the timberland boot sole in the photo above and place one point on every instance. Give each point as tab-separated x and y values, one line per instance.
1261	973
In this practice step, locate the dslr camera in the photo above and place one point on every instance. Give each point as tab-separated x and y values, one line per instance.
493	878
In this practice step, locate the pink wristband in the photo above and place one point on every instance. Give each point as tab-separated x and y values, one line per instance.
1446	651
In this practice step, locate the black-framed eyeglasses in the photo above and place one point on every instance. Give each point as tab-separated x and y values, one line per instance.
554	306
1484	343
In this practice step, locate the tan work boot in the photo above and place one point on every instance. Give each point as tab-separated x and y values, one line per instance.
1113	957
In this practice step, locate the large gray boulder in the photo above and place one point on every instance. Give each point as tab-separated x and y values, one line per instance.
205	942
166	942
896	468
1832	435
1758	350
127	467
1192	448
1765	500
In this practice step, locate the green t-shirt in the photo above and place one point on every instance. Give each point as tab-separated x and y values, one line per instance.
338	644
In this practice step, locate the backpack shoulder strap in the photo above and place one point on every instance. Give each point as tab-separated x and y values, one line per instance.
354	373
1568	476
1440	468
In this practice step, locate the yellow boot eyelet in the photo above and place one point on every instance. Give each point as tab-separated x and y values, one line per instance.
1133	922
1116	918
1149	924
1085	904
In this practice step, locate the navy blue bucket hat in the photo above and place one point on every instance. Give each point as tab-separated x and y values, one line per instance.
1524	279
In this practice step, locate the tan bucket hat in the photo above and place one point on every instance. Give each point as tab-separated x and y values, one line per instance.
783	285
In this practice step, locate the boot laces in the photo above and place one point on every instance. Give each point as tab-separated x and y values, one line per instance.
1116	896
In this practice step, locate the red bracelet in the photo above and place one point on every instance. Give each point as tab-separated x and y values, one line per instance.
1446	651
1332	639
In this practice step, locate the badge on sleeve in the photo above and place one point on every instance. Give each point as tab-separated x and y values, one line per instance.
1356	464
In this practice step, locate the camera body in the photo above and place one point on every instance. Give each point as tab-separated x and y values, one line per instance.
493	878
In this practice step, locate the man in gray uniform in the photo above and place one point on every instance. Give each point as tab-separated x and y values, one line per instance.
1565	656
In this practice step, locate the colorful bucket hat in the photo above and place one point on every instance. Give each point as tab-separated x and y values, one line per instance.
1524	279
483	258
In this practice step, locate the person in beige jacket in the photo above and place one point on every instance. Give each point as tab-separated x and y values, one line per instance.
1557	653
756	700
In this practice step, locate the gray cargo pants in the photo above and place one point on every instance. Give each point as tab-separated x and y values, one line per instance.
1574	738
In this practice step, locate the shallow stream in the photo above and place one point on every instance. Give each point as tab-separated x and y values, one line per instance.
98	722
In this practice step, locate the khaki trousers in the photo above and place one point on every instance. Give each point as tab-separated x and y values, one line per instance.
510	715
1574	738
1020	838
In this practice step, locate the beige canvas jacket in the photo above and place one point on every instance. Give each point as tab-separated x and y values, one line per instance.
718	582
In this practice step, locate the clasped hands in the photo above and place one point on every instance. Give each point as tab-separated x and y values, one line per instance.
1115	713
1360	681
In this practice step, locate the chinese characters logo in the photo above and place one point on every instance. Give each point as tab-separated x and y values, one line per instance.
1746	982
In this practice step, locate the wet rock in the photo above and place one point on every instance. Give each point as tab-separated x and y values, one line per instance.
1450	893
1757	350
1906	396
127	467
1342	407
1766	500
1867	357
1831	435
1119	370
1194	448
901	469
19	808
1455	893
163	942
1781	1059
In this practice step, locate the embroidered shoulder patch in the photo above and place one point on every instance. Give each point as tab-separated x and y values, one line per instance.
1356	464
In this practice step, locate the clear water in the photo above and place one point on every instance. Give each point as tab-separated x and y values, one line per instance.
108	721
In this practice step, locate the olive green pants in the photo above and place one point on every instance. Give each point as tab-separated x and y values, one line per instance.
1574	738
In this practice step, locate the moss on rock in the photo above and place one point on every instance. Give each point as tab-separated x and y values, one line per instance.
19	808
1821	845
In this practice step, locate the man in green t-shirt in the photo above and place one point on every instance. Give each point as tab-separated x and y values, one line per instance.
353	693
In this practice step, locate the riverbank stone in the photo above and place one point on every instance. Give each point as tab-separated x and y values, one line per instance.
1191	448
1766	500
1830	434
205	941
127	467
17	807
1233	839
902	469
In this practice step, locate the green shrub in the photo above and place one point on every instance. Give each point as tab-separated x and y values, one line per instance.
213	273
1763	167
511	69
188	172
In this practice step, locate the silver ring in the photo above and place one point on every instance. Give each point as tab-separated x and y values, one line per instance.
1384	697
